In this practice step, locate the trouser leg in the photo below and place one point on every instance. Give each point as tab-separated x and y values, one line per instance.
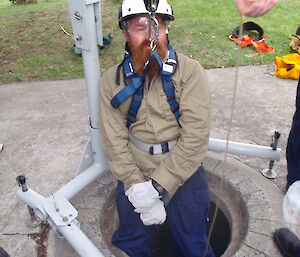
132	236
187	217
293	145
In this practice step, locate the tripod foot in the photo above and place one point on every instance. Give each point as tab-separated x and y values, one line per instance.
271	174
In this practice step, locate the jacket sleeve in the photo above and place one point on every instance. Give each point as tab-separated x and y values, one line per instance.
191	147
114	135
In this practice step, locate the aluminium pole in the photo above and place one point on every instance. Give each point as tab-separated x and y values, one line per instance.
92	33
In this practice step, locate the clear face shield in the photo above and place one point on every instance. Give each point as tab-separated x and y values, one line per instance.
145	25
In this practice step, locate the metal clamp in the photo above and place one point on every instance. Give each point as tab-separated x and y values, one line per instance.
270	173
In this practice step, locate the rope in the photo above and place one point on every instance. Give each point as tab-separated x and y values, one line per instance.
220	189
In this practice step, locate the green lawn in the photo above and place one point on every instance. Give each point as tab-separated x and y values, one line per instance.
33	47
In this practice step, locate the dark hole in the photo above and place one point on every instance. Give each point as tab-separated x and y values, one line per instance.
221	234
162	243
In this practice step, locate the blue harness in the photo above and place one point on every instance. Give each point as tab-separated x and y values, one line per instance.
135	84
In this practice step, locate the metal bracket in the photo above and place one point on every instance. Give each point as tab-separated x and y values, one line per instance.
270	173
60	210
78	14
87	158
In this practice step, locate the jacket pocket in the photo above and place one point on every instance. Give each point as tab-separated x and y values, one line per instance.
165	106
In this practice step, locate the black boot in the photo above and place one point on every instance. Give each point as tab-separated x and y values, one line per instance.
287	242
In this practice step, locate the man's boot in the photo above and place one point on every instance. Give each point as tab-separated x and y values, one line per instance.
287	242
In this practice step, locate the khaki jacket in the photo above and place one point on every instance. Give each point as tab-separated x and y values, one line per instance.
155	124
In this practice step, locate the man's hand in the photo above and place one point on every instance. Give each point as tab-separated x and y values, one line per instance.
145	199
156	215
254	8
142	196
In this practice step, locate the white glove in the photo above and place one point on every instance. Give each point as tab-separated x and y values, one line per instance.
156	215
142	196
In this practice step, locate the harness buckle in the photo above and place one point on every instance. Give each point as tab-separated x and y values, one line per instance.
131	116
164	148
170	98
167	68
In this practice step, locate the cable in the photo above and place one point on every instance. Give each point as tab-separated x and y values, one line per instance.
61	26
227	139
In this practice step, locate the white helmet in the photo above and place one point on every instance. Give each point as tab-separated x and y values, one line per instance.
131	8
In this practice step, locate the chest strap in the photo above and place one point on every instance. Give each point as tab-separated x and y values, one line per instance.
135	105
133	82
135	85
152	148
167	70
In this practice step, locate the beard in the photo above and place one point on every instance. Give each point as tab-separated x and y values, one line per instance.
141	53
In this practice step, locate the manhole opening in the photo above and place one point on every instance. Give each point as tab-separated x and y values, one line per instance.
221	236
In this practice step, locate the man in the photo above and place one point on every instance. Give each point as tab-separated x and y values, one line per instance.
3	253
154	123
255	8
293	145
287	241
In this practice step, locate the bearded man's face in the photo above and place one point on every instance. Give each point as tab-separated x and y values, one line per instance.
137	36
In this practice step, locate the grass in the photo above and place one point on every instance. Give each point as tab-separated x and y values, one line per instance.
33	47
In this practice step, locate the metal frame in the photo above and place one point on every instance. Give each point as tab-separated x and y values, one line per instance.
56	209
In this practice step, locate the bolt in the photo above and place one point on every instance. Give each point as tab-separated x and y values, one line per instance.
77	16
79	38
65	219
22	182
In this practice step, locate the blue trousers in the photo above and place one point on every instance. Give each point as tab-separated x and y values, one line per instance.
293	145
187	214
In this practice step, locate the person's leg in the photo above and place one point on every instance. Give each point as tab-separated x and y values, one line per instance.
293	145
287	242
132	236
3	253
187	215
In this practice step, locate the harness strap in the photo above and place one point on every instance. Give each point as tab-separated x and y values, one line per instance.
167	71
248	40
135	105
153	149
263	48
129	90
244	40
135	84
247	27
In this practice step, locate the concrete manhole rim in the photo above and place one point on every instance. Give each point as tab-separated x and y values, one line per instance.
259	196
262	201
